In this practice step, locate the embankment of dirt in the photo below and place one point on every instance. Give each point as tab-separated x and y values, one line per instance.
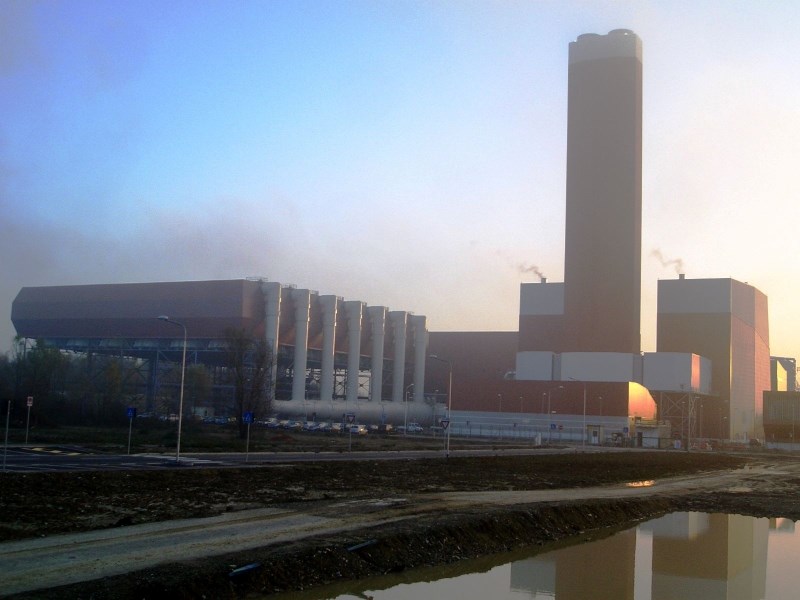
426	541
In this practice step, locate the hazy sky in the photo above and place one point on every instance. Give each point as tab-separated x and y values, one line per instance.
407	154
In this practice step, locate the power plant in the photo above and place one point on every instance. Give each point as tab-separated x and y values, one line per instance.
574	371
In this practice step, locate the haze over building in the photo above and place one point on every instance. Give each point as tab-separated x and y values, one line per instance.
577	353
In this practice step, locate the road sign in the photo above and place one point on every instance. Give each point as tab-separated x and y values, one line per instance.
445	423
131	412
248	417
30	401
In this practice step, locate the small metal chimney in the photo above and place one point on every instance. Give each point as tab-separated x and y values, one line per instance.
681	276
544	280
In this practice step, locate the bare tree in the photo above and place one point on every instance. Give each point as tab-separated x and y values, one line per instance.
248	362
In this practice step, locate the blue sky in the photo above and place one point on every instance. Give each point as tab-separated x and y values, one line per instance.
408	154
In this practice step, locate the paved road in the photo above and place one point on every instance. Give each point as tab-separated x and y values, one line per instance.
31	459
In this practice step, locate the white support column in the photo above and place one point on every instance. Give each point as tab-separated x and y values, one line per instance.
418	326
302	309
378	317
330	305
272	312
398	320
353	310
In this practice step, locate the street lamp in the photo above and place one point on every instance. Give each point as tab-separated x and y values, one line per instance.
183	376
583	436
449	397
549	428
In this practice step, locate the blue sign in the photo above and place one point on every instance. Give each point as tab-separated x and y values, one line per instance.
552	425
248	417
131	412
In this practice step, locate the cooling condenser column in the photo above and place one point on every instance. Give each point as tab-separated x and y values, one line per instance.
302	305
377	315
330	305
398	320
353	311
272	311
420	333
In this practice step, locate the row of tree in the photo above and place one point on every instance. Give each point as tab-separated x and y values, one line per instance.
95	389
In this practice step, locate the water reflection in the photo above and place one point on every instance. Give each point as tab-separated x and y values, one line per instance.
691	556
683	555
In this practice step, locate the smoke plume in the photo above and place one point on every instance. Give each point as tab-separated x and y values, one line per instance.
675	263
526	268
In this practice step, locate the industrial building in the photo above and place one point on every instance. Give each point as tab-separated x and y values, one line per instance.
726	321
597	308
329	356
580	339
573	370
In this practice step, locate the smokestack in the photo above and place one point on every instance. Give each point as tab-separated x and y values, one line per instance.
681	276
544	280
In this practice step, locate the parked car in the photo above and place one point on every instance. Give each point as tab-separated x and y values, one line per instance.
358	429
413	428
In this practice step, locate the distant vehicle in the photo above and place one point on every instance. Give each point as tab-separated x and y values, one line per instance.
358	429
324	427
414	428
310	426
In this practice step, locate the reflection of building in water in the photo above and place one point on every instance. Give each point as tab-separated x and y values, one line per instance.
782	525
602	569
683	555
727	560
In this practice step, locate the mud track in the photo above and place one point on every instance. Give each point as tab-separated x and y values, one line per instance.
481	506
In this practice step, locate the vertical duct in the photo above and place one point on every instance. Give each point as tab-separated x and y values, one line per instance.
420	332
302	303
272	311
398	321
330	305
353	310
378	317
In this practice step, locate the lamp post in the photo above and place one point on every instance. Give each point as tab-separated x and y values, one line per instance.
183	376
405	419
583	436
449	397
549	428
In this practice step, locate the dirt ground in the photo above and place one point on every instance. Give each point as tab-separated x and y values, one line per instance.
45	504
